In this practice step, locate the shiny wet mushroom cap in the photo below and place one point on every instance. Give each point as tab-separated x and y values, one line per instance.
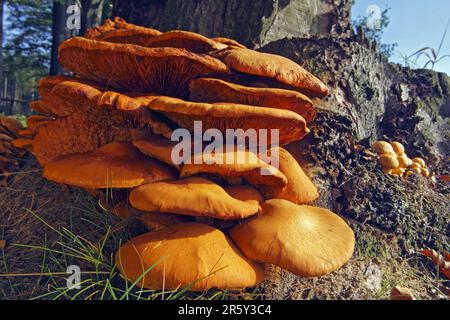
244	164
215	90
119	31
244	193
222	116
157	147
190	41
191	196
229	42
299	188
273	66
307	241
191	255
115	165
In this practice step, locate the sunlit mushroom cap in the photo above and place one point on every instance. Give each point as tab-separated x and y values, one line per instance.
239	163
156	220
308	241
192	196
216	90
191	255
157	147
244	193
119	31
223	116
274	66
85	131
23	143
135	68
190	41
36	121
115	165
69	95
11	125
299	188
229	42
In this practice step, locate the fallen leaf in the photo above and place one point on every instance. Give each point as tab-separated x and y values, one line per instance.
401	293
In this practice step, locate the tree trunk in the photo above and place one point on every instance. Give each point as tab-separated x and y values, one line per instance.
58	31
1	44
253	23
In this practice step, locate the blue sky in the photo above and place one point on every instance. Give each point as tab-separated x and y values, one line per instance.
414	24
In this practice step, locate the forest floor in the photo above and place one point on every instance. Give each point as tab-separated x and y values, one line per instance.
47	227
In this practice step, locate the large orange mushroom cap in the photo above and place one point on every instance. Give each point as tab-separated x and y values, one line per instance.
273	66
244	193
223	116
69	95
215	90
157	147
36	121
115	165
119	31
190	41
191	196
10	125
229	42
241	163
135	68
307	241
191	255
299	188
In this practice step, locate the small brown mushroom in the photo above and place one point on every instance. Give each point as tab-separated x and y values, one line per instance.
425	172
398	147
389	161
419	161
382	147
404	160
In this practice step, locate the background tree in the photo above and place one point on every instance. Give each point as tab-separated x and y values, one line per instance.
376	33
26	49
58	33
1	41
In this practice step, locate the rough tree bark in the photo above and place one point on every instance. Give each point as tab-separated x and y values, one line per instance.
58	27
1	43
91	14
253	23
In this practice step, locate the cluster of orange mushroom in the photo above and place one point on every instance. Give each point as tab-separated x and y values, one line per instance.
212	223
395	161
10	156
